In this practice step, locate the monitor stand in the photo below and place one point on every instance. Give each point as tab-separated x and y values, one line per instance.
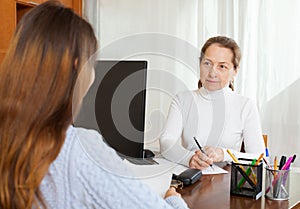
148	153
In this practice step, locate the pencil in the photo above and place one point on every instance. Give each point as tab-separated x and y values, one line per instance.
235	160
275	166
259	158
232	156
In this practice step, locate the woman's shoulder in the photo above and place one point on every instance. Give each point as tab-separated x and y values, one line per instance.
186	95
90	144
184	99
244	102
82	140
83	136
79	131
238	97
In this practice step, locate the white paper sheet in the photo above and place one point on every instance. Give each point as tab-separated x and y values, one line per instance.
213	170
179	168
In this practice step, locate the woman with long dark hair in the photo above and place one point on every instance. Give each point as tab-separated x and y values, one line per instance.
43	164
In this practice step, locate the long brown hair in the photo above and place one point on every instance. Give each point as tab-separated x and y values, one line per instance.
225	42
37	78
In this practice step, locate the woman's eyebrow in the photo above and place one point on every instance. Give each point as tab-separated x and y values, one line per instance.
224	62
207	59
221	62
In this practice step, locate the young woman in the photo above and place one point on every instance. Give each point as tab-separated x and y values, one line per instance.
214	114
43	79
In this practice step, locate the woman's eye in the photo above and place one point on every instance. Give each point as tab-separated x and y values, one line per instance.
207	63
223	67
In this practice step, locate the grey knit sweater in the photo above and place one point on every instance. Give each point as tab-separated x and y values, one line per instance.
89	174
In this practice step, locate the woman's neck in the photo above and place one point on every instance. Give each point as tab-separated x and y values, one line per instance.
213	95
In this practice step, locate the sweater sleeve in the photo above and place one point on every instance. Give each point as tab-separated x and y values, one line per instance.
251	133
170	140
109	184
176	202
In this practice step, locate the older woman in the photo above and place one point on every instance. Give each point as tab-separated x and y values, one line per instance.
214	115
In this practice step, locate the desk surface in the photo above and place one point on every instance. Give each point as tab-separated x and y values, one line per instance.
213	191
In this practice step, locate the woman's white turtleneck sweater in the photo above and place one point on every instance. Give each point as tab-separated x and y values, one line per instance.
216	118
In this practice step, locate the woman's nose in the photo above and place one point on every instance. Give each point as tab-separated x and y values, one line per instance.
213	71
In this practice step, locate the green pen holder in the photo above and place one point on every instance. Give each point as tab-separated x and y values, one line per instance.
246	179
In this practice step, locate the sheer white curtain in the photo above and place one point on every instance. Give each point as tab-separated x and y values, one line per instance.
278	74
169	34
269	35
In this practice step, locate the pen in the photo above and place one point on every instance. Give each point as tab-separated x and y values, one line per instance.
285	175
293	159
284	167
201	149
266	144
282	162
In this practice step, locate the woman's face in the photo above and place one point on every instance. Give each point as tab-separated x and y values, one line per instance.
87	77
84	81
216	67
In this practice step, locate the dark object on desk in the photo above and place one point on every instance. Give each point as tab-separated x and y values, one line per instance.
188	177
148	153
253	181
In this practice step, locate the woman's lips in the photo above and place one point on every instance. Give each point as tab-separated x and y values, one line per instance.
210	81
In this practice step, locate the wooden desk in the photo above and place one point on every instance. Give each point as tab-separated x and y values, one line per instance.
213	192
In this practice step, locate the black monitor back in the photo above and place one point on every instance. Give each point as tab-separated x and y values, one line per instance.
115	105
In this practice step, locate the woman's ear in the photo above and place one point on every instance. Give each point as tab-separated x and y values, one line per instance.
233	73
236	70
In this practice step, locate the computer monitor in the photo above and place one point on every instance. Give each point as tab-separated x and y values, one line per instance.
115	105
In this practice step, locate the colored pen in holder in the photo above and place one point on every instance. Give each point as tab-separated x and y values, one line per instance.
277	184
277	181
246	179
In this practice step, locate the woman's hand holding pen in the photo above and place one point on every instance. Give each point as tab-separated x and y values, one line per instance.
215	153
201	161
